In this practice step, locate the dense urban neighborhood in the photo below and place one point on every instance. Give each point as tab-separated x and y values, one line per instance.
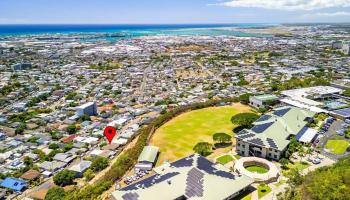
196	116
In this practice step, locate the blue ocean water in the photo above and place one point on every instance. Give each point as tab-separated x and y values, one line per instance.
129	30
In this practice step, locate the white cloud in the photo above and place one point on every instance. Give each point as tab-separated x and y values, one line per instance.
335	14
291	5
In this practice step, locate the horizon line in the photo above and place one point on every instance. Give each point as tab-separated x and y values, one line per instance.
277	23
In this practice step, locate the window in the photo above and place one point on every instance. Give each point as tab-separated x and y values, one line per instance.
270	154
275	156
239	144
243	146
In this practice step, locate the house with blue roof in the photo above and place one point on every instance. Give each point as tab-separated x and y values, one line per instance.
15	184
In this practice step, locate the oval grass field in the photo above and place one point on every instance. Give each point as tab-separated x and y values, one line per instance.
177	138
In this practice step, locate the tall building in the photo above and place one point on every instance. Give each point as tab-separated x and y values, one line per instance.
21	66
346	49
89	108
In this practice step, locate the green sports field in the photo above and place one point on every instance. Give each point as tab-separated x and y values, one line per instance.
177	138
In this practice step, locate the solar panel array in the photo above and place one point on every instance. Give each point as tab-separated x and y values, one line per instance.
184	162
148	182
272	143
208	167
343	112
257	141
242	132
261	127
194	183
130	196
264	118
281	112
245	136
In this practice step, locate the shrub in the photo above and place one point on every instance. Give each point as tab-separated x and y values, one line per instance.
64	177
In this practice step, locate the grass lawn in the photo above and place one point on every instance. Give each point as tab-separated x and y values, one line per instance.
337	146
237	156
297	165
263	190
257	169
177	138
224	159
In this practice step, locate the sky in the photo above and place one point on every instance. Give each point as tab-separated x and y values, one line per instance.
172	11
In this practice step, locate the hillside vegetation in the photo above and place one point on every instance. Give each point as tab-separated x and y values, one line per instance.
332	182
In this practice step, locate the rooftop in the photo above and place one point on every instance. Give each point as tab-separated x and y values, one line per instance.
193	177
272	130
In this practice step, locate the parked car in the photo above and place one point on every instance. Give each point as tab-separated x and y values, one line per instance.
316	161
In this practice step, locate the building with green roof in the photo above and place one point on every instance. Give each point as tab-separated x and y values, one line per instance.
147	158
271	133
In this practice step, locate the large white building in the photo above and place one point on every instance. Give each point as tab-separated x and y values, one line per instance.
193	177
307	97
87	109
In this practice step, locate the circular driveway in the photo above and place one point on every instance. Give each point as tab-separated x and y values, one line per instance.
241	164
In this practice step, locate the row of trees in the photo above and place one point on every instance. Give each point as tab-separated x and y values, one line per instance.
205	148
243	120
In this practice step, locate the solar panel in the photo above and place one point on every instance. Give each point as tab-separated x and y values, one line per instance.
245	136
130	196
272	143
343	112
261	127
194	183
257	141
184	162
244	131
282	112
208	167
148	182
264	118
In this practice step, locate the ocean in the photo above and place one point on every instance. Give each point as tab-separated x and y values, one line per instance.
130	30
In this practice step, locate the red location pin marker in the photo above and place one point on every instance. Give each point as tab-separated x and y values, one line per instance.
109	133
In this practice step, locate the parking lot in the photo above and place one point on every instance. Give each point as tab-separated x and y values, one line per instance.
335	130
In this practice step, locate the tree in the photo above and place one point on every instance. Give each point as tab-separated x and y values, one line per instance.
295	178
85	118
293	147
99	163
163	111
40	153
71	129
55	193
203	148
347	93
88	174
20	129
54	146
64	177
222	137
284	162
244	98
244	119
28	161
